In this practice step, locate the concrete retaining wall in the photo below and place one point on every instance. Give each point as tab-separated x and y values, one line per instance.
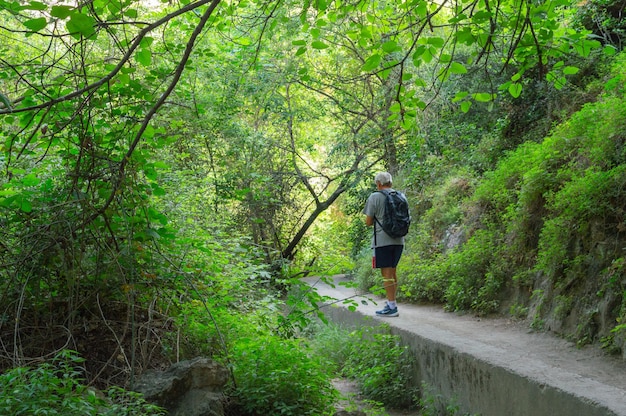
477	378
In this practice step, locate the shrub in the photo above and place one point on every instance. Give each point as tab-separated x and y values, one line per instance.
55	389
331	341
423	279
367	278
279	376
475	282
382	366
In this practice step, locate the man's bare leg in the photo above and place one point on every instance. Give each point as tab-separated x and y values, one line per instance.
390	282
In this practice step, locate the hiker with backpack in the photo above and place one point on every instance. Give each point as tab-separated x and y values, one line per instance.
387	210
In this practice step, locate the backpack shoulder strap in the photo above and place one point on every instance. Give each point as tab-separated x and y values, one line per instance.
386	193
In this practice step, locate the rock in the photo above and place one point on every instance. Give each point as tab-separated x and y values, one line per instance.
188	388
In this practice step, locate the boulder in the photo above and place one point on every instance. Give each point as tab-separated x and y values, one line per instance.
188	388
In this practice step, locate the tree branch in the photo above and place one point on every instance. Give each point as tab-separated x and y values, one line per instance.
148	117
133	46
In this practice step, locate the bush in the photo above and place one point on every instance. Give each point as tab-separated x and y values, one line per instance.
367	278
423	279
373	357
475	281
55	389
279	376
382	367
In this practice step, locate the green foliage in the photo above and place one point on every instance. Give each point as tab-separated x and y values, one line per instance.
604	19
326	251
542	210
425	271
332	341
52	388
55	388
365	276
128	403
423	279
279	376
433	404
382	366
475	279
373	357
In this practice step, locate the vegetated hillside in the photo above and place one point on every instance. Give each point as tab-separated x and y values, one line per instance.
540	236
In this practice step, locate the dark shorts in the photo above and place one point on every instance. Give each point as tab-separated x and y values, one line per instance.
387	256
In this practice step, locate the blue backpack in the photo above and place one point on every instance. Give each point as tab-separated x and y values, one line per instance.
397	218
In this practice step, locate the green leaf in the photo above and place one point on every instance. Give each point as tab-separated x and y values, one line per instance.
459	96
427	56
148	133
36	5
25	205
422	8
570	70
481	16
609	50
515	89
150	173
146	42
132	13
144	57
81	24
61	12
465	106
419	82
483	97
372	62
301	50
31	180
436	42
299	42
318	44
321	5
157	190
457	68
465	36
390	46
584	47
36	25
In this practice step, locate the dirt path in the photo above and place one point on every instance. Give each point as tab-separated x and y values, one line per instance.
350	390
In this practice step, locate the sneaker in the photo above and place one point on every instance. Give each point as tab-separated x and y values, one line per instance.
387	311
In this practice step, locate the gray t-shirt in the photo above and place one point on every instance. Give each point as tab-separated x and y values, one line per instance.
375	207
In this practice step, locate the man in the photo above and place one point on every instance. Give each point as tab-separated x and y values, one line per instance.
387	250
